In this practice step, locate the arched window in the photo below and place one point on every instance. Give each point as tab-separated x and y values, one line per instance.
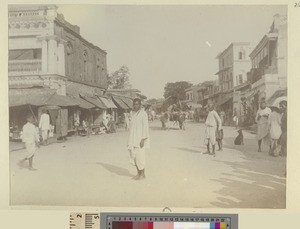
69	51
242	54
85	62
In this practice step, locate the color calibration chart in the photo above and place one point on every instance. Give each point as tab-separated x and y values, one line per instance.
168	221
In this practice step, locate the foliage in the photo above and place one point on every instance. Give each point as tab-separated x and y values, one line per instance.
119	79
176	89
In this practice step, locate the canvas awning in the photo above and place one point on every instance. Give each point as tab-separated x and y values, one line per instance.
128	102
276	97
85	104
225	100
62	101
38	97
222	70
93	101
107	102
119	102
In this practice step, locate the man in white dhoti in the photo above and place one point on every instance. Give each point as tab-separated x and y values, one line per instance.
213	123
44	126
262	120
138	139
30	137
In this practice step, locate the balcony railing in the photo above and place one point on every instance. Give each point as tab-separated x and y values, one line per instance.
24	66
256	74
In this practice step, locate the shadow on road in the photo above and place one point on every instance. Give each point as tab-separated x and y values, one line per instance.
116	170
189	150
156	128
253	182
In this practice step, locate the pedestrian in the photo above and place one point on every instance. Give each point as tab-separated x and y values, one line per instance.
126	115
30	137
283	138
275	130
235	119
138	139
212	124
44	126
222	116
262	120
219	132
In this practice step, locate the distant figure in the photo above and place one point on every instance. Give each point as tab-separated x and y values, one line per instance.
138	139
262	120
283	138
30	137
239	140
126	119
235	118
111	127
44	126
275	130
222	117
212	123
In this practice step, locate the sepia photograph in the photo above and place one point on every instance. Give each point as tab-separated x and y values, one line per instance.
182	106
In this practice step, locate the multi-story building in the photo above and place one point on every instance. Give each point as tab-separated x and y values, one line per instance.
269	63
205	92
192	94
47	52
234	63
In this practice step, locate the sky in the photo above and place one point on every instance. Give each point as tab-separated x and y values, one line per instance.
168	43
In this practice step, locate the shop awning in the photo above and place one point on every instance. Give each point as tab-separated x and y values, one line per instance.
128	101
93	100
222	70
225	100
119	102
278	95
39	97
82	103
107	102
34	99
85	104
62	101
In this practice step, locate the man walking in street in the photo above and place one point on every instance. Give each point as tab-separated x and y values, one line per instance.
44	126
138	139
262	120
30	137
213	123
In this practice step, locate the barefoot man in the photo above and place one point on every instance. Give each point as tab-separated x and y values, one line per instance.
138	139
31	139
212	124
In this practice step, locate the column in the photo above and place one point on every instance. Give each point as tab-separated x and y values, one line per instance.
44	55
61	58
52	55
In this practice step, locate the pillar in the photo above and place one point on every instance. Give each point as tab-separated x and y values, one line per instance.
61	58
44	55
52	56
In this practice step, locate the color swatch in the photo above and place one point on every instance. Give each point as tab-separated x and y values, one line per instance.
168	225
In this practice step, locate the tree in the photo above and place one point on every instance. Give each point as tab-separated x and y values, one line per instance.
176	89
119	79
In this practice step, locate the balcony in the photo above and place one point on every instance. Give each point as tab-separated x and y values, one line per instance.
256	74
24	66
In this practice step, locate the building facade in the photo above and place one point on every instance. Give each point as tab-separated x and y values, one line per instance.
269	63
47	52
234	63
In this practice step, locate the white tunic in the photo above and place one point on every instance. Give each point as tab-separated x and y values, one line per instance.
30	136
44	122
213	119
138	130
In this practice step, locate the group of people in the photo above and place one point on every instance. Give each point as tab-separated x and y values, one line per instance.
272	128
